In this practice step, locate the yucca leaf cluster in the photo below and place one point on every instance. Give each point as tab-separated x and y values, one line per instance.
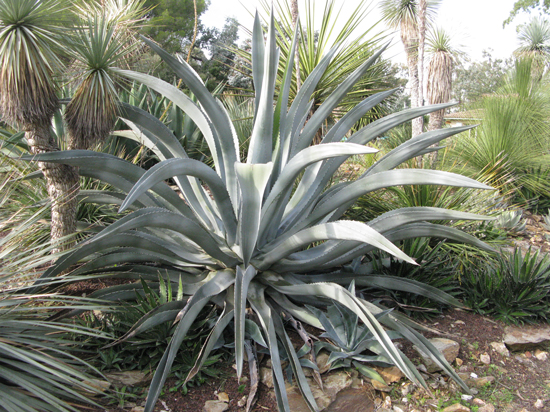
261	239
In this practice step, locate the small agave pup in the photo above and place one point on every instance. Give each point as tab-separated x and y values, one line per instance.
243	243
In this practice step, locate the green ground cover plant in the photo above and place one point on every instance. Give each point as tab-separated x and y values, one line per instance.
513	286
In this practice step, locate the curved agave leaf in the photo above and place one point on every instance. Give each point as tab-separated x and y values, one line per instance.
412	147
122	173
104	197
242	281
401	216
219	283
320	115
260	149
213	337
272	207
162	218
161	314
341	230
344	297
295	362
253	179
351	192
225	132
408	231
319	179
257	301
175	167
335	134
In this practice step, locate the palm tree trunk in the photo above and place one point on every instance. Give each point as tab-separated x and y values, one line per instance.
409	37
436	120
294	11
62	185
422	7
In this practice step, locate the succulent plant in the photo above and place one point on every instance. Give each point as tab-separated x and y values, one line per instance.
261	238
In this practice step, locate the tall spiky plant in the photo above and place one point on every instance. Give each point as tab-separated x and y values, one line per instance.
30	33
106	38
243	244
404	15
315	38
440	73
513	136
534	39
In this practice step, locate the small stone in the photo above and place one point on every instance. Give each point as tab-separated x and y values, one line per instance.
487	408
473	375
528	354
541	355
466	398
447	347
137	409
405	390
523	410
321	360
480	382
242	401
459	362
215	406
224	397
266	377
380	386
478	402
422	368
97	384
128	378
387	402
485	358
398	409
457	407
390	375
539	404
500	348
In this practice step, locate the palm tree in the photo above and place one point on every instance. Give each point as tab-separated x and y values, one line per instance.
32	39
404	15
534	39
30	33
440	73
105	39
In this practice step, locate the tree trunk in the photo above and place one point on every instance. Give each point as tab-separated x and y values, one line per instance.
62	184
409	37
422	7
436	120
294	11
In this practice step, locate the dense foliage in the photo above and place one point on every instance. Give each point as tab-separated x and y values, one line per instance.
243	244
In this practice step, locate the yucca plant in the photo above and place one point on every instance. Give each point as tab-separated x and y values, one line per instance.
263	237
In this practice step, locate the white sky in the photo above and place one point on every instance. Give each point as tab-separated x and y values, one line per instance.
475	25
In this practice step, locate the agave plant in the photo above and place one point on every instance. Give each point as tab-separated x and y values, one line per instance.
262	238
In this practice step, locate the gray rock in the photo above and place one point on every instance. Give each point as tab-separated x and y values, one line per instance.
215	406
487	408
457	407
128	378
500	348
480	382
266	377
447	347
351	400
522	339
